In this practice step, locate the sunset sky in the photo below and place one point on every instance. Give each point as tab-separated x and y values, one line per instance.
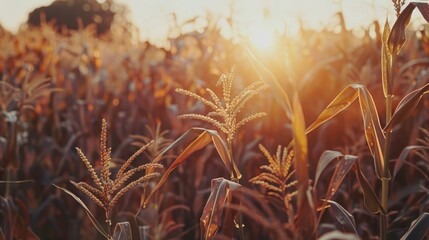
154	17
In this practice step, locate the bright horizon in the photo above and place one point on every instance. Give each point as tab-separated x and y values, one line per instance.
153	18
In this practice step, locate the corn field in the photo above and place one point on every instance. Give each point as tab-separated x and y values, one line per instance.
105	137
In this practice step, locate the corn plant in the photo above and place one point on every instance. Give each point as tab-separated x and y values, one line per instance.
378	137
108	190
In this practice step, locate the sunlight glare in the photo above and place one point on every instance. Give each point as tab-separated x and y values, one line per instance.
262	37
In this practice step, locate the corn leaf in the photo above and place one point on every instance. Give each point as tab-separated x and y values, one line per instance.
200	137
403	156
418	228
372	203
386	63
397	36
306	214
300	148
406	107
122	231
222	149
341	102
220	196
373	131
342	168
279	93
94	221
327	157
345	218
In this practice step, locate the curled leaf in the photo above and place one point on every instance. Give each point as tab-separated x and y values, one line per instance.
373	132
342	168
397	36
122	231
345	218
220	196
372	203
327	157
406	107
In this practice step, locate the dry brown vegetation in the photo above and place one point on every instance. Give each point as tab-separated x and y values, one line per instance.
342	131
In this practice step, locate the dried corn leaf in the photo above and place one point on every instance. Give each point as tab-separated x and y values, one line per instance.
397	36
386	63
406	107
212	216
373	132
306	215
327	157
277	88
122	231
200	137
372	203
342	168
341	102
345	218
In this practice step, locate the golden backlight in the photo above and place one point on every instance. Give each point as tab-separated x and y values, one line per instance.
257	20
262	37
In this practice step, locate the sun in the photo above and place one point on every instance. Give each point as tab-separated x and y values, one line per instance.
262	37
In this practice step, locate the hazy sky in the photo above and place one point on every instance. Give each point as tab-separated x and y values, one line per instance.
153	16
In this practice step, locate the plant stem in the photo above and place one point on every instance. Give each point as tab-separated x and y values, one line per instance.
239	214
109	224
385	178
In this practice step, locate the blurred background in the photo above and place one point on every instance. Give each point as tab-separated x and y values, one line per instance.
154	19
